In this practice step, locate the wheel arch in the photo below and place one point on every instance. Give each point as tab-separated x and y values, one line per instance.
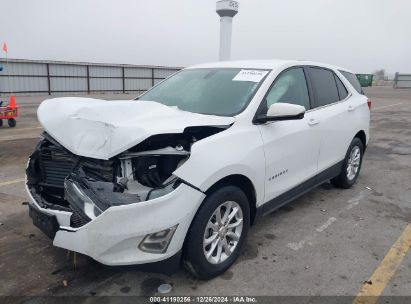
242	182
363	137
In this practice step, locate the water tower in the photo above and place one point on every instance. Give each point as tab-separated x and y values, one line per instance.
226	9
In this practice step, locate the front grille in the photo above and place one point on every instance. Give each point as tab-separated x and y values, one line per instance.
56	165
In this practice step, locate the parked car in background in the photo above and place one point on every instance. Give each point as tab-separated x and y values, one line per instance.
183	171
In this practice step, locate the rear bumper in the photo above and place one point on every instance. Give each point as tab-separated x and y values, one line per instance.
113	237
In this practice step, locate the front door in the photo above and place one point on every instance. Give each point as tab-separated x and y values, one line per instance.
291	147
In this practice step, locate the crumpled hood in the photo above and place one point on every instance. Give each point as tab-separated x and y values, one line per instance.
103	129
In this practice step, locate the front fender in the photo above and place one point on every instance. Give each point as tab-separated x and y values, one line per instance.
238	150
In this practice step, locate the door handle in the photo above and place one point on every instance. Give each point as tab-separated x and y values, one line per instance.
313	122
350	108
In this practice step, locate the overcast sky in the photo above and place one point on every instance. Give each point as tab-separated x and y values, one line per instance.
362	35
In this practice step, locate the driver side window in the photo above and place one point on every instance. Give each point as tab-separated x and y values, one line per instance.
289	87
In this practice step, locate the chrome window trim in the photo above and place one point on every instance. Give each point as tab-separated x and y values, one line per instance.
331	104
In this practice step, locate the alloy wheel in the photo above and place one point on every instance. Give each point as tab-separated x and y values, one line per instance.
223	232
353	163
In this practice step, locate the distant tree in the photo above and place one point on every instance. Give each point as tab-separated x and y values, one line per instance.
379	74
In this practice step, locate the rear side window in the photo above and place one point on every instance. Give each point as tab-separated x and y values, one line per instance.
324	85
342	91
353	80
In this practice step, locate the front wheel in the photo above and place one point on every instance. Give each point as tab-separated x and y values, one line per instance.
217	233
351	165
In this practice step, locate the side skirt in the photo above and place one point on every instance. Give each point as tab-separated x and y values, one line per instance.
299	190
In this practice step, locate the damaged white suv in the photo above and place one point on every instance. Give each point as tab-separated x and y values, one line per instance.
181	172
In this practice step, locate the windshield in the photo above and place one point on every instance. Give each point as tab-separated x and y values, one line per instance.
214	91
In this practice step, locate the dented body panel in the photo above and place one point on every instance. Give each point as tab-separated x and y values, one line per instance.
105	177
102	129
113	237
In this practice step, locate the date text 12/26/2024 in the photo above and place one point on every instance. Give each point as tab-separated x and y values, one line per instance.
203	299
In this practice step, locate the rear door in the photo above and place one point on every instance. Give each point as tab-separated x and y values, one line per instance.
331	108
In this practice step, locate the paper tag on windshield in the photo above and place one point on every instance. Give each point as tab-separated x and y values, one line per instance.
250	75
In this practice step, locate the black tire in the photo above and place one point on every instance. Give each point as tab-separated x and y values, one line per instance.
1	122
194	258
342	180
11	122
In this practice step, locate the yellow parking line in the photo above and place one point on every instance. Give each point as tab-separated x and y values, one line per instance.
373	288
10	182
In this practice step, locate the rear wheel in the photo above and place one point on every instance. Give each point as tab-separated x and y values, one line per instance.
351	165
11	122
1	122
217	233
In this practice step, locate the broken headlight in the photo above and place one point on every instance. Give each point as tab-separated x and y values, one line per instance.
153	170
149	174
164	189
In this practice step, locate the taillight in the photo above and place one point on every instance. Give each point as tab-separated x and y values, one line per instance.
369	103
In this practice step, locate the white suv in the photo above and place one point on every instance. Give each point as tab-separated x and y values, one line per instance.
182	172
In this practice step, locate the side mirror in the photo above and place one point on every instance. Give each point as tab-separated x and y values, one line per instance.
281	111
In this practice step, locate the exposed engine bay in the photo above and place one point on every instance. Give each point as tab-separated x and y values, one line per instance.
61	180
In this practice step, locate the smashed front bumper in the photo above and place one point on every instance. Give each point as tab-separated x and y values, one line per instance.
112	237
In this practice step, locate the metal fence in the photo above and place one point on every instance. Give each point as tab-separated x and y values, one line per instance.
402	81
28	77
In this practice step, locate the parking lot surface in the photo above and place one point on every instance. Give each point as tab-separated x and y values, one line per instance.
329	242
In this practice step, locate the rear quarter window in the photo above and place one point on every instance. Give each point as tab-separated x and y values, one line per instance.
353	80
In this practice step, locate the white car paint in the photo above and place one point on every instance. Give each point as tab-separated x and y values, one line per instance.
102	129
113	237
285	109
291	150
297	149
